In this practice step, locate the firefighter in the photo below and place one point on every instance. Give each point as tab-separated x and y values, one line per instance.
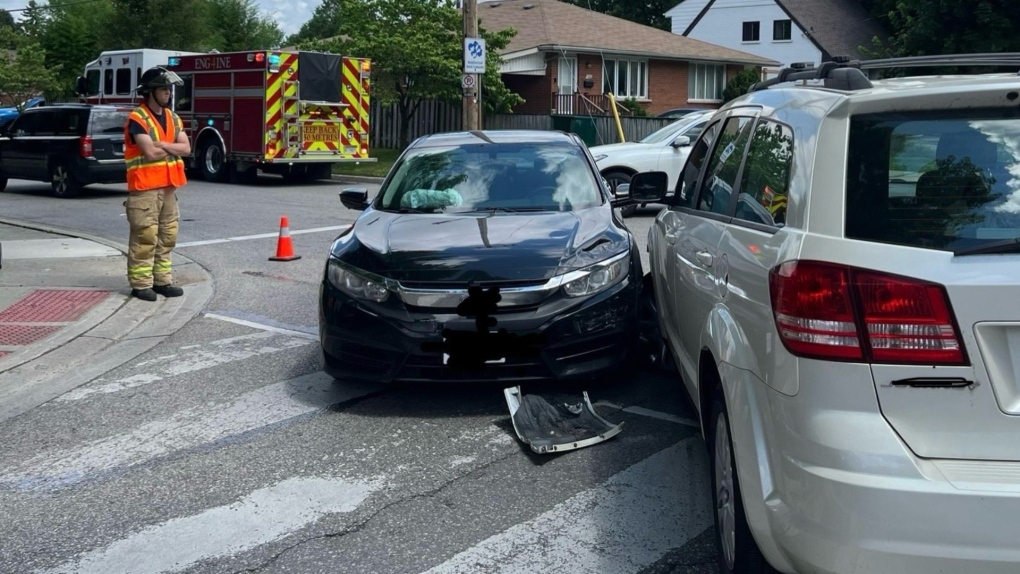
154	142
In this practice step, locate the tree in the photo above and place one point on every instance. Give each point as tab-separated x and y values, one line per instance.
239	24
740	83
72	35
416	48
162	24
23	70
331	19
6	20
647	12
929	27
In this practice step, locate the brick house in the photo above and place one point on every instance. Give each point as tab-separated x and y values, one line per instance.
564	58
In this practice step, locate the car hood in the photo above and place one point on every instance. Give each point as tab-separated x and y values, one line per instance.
618	147
460	248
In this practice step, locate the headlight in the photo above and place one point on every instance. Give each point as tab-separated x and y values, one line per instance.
598	277
357	283
601	157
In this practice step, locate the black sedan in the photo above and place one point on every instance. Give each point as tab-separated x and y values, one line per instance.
485	256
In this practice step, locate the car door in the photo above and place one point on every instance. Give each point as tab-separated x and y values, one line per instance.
698	270
16	152
666	232
39	148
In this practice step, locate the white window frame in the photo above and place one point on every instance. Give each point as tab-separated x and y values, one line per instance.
789	23
706	82
635	84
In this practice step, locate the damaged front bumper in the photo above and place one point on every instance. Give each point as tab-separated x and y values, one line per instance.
557	422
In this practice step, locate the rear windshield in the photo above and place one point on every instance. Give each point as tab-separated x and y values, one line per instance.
109	122
939	180
500	177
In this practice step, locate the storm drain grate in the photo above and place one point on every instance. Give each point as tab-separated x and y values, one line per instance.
24	334
52	306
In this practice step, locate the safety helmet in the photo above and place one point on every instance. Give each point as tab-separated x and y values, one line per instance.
158	77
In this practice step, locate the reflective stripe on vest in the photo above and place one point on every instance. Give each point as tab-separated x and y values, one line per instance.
143	174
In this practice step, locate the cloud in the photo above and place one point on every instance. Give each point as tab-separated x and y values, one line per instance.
289	14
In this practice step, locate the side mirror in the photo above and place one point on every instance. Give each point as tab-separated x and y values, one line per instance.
354	198
682	141
649	187
80	86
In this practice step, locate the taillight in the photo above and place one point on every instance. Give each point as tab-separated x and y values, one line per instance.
85	146
837	312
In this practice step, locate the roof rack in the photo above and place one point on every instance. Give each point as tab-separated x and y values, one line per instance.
842	73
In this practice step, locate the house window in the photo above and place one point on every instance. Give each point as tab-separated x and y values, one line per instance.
625	78
782	30
706	82
752	31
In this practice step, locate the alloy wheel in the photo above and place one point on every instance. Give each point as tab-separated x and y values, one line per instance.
724	499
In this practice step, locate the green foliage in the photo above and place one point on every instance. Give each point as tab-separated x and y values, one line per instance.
648	12
416	47
23	70
633	107
240	26
929	27
160	24
740	83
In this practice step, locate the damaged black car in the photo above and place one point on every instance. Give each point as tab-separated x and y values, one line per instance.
485	256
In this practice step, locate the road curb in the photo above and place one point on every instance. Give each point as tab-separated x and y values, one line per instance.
105	342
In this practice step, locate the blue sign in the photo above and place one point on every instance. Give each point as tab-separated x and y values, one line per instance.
474	56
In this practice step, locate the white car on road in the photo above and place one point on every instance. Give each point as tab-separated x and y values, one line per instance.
663	150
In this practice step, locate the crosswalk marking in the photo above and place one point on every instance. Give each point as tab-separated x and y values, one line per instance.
183	430
261	517
193	358
640	506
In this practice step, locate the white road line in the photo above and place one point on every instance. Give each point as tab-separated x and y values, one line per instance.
650	413
619	527
254	325
261	236
183	430
263	516
194	358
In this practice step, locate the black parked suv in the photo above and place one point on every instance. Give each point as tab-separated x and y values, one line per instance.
69	145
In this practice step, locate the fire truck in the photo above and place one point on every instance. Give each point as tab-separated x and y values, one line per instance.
294	113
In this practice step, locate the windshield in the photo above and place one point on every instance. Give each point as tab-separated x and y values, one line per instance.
941	180
498	177
671	131
111	122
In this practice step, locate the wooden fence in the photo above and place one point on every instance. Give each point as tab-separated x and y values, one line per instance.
438	117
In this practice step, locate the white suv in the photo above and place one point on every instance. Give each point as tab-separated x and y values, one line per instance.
838	281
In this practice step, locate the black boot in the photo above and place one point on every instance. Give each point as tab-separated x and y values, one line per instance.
168	290
144	294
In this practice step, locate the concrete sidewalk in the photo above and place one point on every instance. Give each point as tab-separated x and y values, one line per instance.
66	316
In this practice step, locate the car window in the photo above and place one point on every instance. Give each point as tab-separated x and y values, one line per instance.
766	180
46	124
540	177
25	124
671	130
721	175
937	180
68	122
695	161
109	121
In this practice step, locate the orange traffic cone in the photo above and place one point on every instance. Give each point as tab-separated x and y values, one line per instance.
284	247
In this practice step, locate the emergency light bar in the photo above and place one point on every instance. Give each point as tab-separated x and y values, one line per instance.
174	62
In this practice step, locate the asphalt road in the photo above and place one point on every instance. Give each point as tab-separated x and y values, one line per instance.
226	449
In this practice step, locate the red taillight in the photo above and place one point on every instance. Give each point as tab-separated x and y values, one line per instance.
85	146
838	312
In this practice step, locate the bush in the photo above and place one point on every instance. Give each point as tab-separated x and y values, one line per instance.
635	108
740	83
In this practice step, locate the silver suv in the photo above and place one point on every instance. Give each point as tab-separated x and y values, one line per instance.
837	279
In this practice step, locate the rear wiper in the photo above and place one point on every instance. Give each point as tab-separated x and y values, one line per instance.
1004	246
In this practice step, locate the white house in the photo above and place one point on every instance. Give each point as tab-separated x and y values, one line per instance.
787	31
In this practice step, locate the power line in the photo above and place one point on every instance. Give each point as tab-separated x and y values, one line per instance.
50	6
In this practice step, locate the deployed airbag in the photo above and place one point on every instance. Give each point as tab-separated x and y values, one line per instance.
557	422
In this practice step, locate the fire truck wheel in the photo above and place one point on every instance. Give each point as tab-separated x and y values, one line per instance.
211	161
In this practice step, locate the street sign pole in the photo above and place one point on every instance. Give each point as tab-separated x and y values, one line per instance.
471	93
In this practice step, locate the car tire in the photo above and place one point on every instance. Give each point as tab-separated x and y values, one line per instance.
738	552
63	182
212	161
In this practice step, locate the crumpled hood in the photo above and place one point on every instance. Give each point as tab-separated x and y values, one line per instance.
454	248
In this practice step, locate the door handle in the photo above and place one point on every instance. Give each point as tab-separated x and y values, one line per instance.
705	258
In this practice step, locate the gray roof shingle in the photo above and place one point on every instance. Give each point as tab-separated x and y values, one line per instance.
551	24
838	27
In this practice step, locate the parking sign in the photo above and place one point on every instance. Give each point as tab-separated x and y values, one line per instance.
474	56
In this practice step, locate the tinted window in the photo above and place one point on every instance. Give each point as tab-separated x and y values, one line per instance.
721	176
695	160
69	122
108	82
936	180
182	95
124	81
541	177
46	124
92	78
109	121
25	124
766	180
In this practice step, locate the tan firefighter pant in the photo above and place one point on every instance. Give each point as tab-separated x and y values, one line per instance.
152	215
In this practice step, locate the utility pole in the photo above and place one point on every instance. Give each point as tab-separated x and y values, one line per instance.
471	81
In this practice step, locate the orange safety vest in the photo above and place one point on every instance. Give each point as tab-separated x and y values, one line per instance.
141	173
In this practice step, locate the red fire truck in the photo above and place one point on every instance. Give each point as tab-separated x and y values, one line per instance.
294	113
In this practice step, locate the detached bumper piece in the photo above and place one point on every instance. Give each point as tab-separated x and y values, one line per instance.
557	422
